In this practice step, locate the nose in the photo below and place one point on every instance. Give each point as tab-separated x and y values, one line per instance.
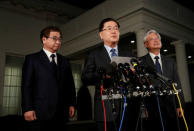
113	31
58	42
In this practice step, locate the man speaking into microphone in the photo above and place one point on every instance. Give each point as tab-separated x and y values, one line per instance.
100	58
164	66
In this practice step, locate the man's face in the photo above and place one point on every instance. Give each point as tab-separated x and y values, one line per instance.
153	42
110	33
53	42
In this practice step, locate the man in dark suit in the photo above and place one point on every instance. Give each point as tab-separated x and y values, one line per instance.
100	58
169	107
48	92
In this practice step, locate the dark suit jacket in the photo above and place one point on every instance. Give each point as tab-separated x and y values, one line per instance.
168	104
169	70
48	93
90	76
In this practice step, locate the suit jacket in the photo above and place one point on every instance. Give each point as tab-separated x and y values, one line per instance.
47	91
90	76
169	70
168	104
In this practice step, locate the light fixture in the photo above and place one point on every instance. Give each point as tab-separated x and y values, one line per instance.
189	57
165	50
132	41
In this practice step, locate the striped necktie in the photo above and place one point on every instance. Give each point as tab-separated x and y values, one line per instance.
113	52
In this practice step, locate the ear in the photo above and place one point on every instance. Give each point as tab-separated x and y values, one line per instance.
44	39
101	37
146	44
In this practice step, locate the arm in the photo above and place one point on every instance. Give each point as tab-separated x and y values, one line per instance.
89	74
71	90
181	96
27	85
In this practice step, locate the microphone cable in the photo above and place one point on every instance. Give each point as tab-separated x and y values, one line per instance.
103	108
123	113
109	101
173	85
161	120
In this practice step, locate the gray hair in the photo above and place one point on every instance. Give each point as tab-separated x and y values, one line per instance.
149	32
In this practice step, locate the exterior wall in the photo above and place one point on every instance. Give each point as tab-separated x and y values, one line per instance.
168	17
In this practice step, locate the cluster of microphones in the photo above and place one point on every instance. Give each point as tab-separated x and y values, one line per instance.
134	77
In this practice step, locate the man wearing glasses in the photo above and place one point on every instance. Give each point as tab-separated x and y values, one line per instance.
48	92
100	58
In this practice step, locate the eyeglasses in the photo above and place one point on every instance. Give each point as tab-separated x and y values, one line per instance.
55	39
153	39
111	28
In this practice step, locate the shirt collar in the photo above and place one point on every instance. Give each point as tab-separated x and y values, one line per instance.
48	53
153	55
108	48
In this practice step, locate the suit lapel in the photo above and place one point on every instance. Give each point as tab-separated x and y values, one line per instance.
149	61
164	65
45	61
120	53
104	54
59	65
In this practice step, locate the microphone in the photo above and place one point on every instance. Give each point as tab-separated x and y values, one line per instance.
156	74
101	71
142	75
110	68
134	62
111	75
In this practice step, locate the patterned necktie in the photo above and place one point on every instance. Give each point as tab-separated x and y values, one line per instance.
157	64
113	52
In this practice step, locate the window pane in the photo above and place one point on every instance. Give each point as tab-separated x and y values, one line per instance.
12	85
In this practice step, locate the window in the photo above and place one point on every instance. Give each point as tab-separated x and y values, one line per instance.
76	71
12	85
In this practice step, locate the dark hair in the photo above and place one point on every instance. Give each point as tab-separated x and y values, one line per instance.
46	31
101	25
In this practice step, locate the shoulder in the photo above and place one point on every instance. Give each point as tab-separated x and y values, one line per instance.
96	52
144	57
124	52
62	58
33	55
168	59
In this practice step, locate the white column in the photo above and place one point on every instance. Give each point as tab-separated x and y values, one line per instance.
141	50
183	69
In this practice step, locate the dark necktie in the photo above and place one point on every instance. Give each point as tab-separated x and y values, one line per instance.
54	65
113	52
157	64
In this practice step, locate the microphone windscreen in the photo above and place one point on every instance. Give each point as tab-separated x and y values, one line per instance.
109	68
134	62
151	70
114	64
120	66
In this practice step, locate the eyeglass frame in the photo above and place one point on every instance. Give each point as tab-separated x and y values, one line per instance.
109	28
55	39
153	39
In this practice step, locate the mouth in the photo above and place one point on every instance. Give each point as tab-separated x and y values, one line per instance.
114	37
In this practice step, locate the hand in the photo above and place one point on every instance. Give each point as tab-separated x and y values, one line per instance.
146	114
30	116
71	111
179	112
133	69
106	76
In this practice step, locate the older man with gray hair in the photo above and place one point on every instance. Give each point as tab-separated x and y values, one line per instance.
163	111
